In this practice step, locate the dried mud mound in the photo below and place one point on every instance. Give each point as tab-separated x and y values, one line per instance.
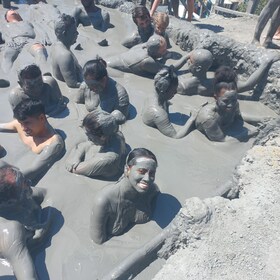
239	238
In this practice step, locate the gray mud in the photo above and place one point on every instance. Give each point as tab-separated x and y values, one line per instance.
192	166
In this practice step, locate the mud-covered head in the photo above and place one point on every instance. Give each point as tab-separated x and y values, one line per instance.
225	78
140	169
227	101
166	83
156	46
30	79
161	21
141	17
66	30
30	113
14	187
95	74
200	61
12	16
100	126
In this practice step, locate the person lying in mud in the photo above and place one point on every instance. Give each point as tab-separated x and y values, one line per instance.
65	66
141	17
156	113
37	134
129	201
31	84
17	34
21	224
90	14
200	61
103	155
100	91
143	59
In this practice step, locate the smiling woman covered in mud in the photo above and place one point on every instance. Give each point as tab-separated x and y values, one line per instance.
128	201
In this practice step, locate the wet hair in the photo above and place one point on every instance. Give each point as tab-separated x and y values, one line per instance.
223	85
225	74
62	24
153	45
10	178
164	79
140	12
100	123
29	72
28	108
202	57
95	68
161	19
138	153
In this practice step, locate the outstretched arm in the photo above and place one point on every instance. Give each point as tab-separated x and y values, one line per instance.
9	127
182	61
258	74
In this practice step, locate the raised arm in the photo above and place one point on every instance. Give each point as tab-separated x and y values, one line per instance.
258	74
9	127
154	7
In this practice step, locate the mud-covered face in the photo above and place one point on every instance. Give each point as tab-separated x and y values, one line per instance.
96	137
143	23
13	15
227	100
142	174
33	86
70	35
94	85
32	126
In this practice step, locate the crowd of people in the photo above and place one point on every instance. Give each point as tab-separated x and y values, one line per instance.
103	154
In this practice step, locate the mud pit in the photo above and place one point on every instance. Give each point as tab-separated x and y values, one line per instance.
188	167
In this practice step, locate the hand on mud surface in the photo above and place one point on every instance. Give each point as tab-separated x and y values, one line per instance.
71	166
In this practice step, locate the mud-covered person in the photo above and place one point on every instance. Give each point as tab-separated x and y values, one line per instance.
31	84
65	65
144	60
90	14
37	134
17	34
141	17
129	201
100	91
103	155
156	108
21	224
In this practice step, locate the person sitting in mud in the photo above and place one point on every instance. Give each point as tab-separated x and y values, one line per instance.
99	90
161	22
145	30
143	59
200	61
21	224
64	64
129	201
17	34
155	111
90	14
37	134
103	154
31	84
270	11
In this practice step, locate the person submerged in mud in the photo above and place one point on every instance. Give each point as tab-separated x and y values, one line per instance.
129	201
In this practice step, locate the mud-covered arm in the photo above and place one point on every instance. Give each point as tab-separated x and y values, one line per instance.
45	159
16	251
67	67
151	66
101	164
98	219
75	157
213	131
8	127
121	110
182	61
91	100
163	124
258	74
132	41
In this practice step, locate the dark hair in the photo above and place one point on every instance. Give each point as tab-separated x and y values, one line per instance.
223	85
140	12
100	123
28	108
139	152
62	24
29	72
164	79
9	180
96	68
225	74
